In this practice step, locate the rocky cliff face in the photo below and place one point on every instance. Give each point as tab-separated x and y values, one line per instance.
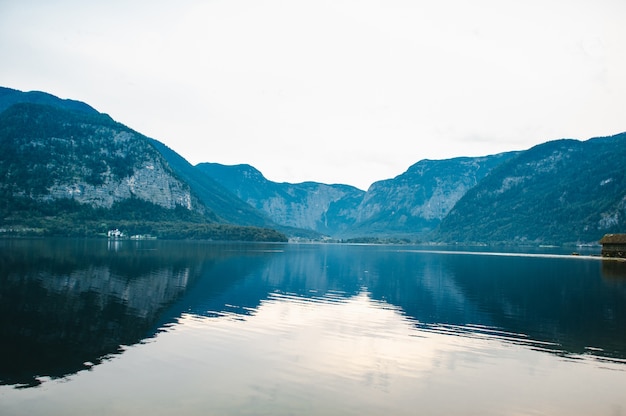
410	204
414	202
148	180
49	153
326	209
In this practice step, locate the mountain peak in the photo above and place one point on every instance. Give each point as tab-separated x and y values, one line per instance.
9	97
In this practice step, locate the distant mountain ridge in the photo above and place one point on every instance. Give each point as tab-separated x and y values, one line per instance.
415	202
411	205
220	200
325	209
63	156
560	192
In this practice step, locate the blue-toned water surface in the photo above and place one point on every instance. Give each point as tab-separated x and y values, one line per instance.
162	328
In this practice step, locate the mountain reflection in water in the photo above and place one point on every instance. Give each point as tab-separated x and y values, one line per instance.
67	305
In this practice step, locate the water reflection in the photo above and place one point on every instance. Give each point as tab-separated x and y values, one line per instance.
614	269
559	302
66	305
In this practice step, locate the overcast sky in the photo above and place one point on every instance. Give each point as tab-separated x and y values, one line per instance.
345	91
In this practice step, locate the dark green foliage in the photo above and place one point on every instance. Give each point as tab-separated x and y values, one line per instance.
216	232
563	191
377	240
134	209
67	218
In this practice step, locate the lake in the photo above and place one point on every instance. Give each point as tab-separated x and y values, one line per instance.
188	328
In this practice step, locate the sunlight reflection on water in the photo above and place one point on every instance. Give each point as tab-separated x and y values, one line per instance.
330	355
358	356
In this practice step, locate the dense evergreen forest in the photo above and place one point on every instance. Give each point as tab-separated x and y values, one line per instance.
67	218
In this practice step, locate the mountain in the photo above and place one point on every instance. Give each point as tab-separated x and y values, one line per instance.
563	191
414	203
324	209
48	153
67	169
409	205
9	96
214	196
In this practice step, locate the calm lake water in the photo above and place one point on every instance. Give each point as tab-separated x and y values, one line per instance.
164	328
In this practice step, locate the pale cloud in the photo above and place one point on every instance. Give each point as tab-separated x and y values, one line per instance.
332	91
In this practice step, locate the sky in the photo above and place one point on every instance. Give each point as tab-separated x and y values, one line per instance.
343	91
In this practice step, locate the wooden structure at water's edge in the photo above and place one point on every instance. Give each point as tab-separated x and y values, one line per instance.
614	245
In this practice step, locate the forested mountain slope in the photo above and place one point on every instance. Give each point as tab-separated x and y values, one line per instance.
68	170
224	203
563	191
48	153
413	203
